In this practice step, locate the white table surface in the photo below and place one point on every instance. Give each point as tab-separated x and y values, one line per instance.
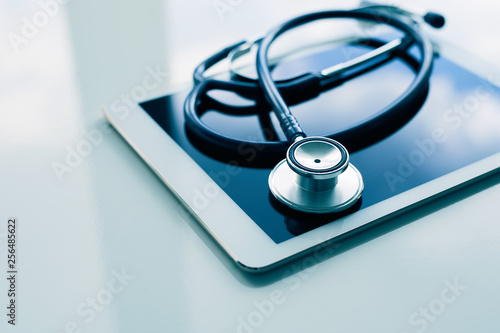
110	215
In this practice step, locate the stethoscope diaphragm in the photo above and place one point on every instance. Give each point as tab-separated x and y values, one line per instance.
316	177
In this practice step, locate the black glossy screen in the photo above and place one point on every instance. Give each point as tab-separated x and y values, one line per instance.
458	124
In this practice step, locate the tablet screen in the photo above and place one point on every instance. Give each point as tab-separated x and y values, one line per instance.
457	123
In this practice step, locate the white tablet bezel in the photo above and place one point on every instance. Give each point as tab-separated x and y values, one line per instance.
243	240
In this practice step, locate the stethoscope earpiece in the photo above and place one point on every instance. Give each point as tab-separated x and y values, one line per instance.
434	19
316	177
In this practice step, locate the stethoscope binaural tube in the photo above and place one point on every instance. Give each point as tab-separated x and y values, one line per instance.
308	179
395	113
289	124
316	176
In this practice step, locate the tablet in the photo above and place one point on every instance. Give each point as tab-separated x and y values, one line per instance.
452	139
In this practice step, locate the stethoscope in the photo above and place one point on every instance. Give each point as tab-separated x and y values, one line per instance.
316	175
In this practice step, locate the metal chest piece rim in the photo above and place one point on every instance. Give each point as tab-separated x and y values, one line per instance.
316	177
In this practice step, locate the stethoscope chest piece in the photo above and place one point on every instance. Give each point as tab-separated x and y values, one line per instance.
316	177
